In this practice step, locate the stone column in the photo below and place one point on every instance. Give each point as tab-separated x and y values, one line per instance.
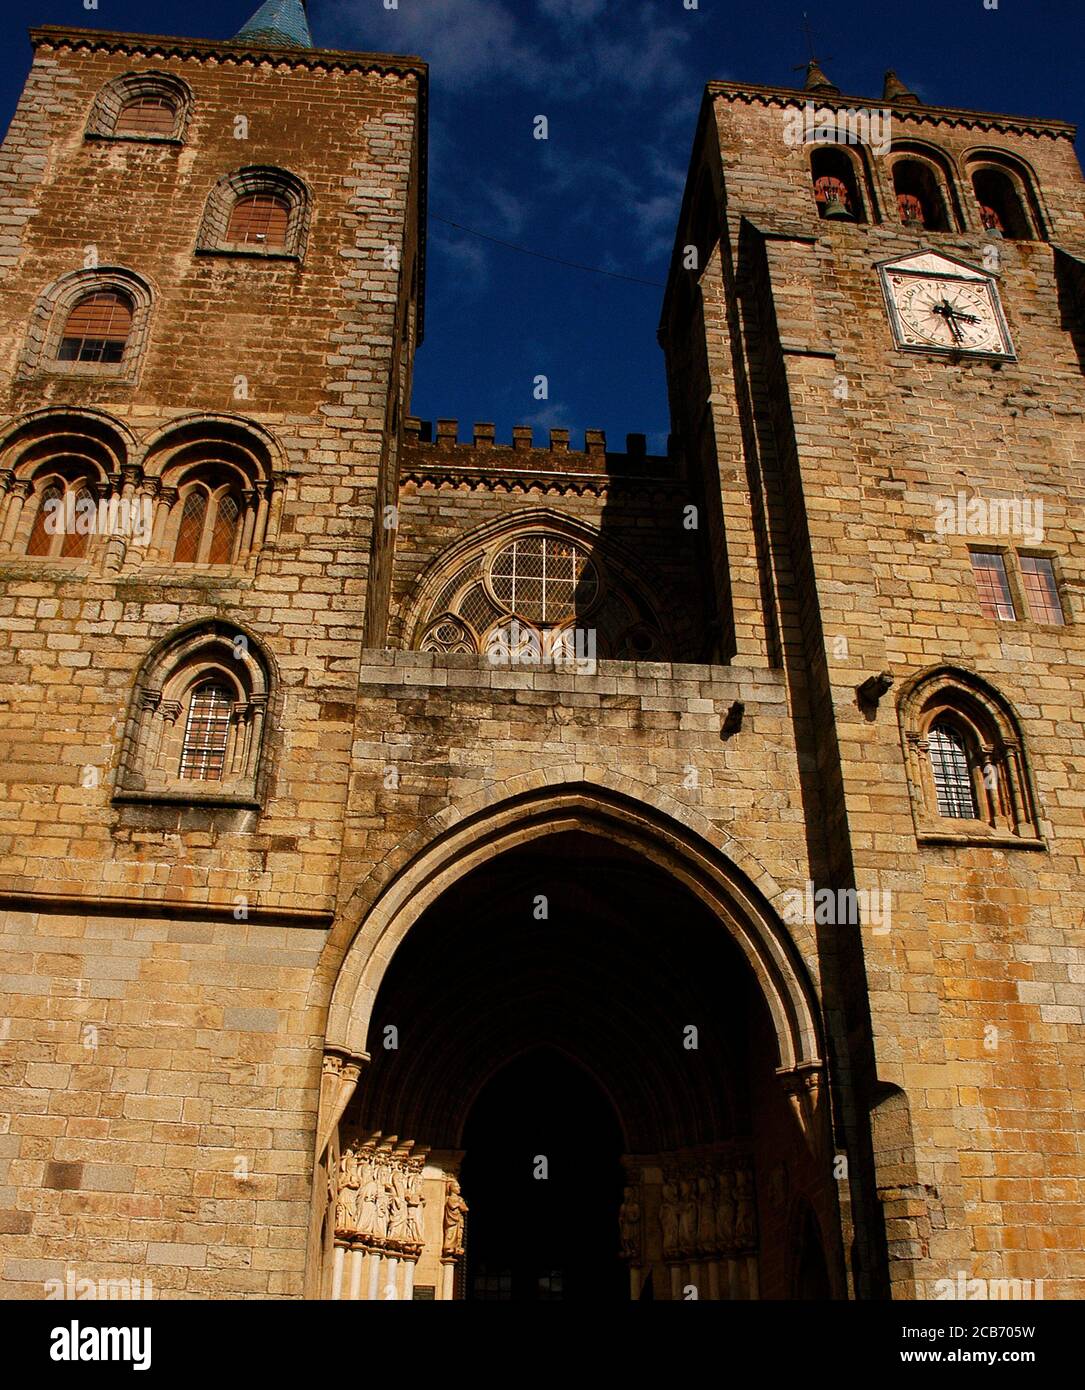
448	1279
408	1281
374	1272
357	1259
337	1270
20	491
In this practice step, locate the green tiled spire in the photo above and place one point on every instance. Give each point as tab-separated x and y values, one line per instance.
278	24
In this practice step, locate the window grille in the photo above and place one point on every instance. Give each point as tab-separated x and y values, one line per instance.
41	540
147	116
543	578
207	732
258	219
225	530
953	784
190	532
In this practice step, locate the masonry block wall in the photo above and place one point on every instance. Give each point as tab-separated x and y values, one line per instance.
975	995
168	1027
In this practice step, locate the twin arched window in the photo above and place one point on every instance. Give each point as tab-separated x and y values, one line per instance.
208	524
966	762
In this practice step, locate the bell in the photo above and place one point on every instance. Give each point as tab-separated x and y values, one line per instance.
834	208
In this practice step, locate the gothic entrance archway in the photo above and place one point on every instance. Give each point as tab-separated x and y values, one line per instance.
574	1089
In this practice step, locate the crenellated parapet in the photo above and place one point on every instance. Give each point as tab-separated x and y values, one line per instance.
439	456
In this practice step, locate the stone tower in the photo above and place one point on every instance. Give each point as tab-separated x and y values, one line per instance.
875	350
386	814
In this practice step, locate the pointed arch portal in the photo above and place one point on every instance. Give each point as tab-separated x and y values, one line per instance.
571	1053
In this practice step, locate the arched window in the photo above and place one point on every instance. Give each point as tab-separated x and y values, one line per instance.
921	199
256	211
141	106
260	219
195	730
207	732
44	529
952	770
207	522
147	115
1002	207
90	323
966	762
65	519
836	189
97	328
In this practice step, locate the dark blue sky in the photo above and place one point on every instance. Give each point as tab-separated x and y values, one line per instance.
620	82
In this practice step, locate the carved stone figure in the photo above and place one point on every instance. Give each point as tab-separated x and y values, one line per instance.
668	1218
725	1211
368	1199
347	1195
416	1201
455	1210
629	1224
706	1212
397	1206
745	1218
687	1216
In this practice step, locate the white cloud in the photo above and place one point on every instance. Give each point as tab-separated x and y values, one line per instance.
572	11
464	40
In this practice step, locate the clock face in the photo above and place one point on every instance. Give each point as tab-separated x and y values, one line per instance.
955	312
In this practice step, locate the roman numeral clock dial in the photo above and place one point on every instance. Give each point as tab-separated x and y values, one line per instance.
941	305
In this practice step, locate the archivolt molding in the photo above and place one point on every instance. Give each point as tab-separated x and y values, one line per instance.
458	839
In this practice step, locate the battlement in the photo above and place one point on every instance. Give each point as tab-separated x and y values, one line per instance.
426	451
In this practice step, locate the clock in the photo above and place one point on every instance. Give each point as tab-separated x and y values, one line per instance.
938	304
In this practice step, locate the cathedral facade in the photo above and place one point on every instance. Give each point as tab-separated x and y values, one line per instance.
447	868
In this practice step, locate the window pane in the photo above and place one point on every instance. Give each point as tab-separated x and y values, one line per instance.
222	538
97	329
146	116
190	532
41	540
952	775
1041	592
76	540
543	578
207	731
994	590
260	219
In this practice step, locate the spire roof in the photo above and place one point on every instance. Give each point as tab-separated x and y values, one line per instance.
278	24
895	90
816	81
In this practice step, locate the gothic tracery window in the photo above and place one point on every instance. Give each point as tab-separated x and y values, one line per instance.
208	514
539	594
